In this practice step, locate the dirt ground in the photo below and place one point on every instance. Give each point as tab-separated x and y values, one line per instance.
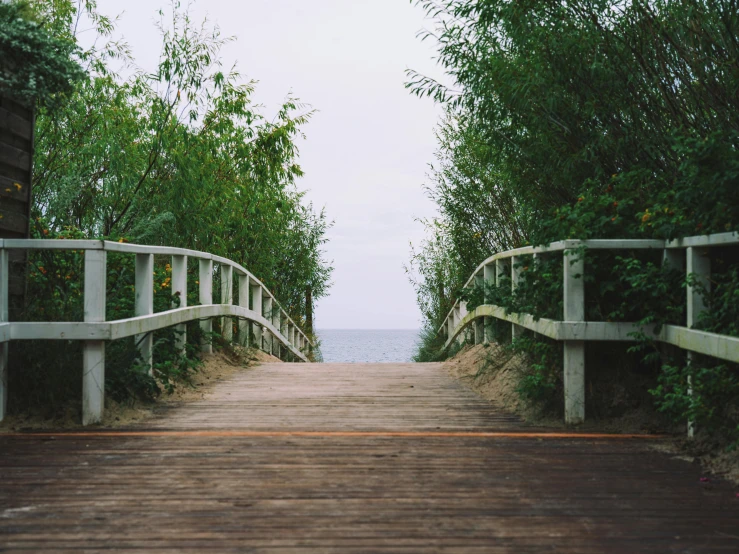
216	367
499	383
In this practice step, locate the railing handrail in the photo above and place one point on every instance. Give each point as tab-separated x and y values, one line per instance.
706	241
573	329
131	248
266	314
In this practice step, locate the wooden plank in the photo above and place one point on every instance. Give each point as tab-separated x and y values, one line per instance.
18	190
338	493
17	175
16	124
21	110
13	218
6	137
15	157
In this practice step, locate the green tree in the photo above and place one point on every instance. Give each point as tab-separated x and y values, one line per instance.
584	119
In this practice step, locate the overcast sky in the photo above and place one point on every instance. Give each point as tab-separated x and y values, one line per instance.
368	147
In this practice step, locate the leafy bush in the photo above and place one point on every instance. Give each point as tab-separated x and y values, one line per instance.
178	156
579	120
35	65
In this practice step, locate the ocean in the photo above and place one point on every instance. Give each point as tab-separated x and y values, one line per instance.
368	345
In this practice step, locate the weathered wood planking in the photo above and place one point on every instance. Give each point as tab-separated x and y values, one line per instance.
364	494
16	163
351	396
16	166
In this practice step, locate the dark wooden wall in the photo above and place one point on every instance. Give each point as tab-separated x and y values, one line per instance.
16	155
16	165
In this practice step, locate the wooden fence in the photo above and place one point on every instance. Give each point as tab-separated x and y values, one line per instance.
691	253
255	307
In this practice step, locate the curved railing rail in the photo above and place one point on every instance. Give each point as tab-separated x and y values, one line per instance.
273	330
691	253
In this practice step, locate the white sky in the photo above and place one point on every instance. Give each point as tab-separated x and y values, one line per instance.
367	149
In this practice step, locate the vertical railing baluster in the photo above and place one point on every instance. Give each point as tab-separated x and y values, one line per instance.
462	314
574	350
488	277
205	279
4	346
268	316
698	264
283	332
93	351
179	289
276	322
501	268
479	322
515	277
244	303
455	319
144	304
227	297
256	298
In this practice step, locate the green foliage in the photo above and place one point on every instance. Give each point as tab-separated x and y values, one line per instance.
704	392
541	384
51	373
584	119
179	156
431	347
35	65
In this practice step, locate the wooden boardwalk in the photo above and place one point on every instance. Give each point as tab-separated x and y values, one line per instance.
352	459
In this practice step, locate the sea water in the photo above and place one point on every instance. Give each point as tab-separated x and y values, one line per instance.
368	345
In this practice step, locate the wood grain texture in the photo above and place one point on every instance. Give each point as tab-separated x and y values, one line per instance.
337	493
16	164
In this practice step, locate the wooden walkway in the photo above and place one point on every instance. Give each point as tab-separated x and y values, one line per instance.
352	459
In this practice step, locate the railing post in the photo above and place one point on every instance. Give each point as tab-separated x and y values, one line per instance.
4	346
268	315
244	303
479	322
515	277
283	331
227	297
457	319
205	277
144	305
698	264
501	268
574	350
179	289
256	298
488	276
93	351
276	316
462	314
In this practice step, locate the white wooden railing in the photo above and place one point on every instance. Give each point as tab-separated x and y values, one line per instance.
271	327
690	253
